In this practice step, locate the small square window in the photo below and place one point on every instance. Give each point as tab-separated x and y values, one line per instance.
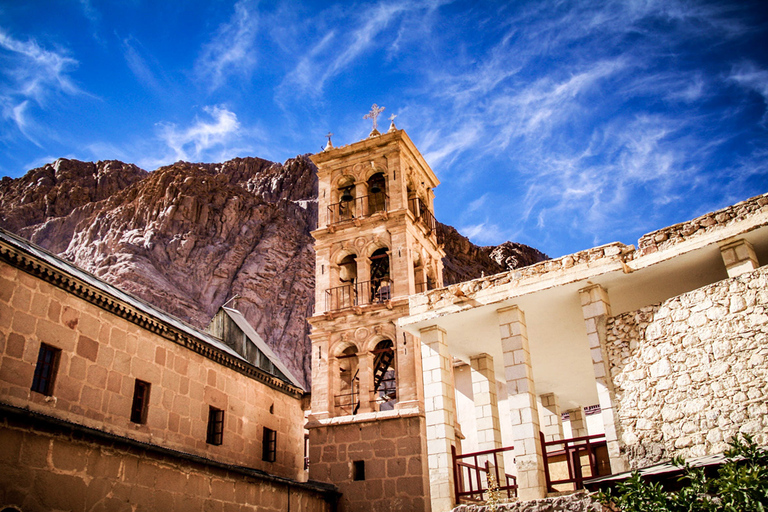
45	370
215	426
269	445
140	404
358	470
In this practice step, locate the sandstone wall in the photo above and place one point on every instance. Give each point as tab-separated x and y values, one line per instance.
692	372
577	502
395	471
49	467
103	354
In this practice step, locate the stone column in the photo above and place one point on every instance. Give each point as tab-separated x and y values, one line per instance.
596	309
578	422
739	257
440	416
552	419
321	376
486	407
365	375
407	367
363	276
524	414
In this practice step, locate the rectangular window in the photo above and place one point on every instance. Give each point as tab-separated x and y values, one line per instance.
45	371
215	426
269	445
358	470
140	404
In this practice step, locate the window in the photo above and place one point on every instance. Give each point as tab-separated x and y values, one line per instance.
269	445
140	402
45	371
358	470
215	426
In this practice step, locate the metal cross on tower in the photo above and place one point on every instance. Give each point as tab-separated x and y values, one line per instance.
373	114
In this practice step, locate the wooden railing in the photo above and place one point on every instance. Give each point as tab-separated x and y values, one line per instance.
470	474
357	208
571	451
352	295
423	214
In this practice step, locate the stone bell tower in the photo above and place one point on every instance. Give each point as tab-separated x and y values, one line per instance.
375	245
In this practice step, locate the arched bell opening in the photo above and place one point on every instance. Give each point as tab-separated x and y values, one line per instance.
377	193
419	274
347	401
343	293
381	284
384	376
344	206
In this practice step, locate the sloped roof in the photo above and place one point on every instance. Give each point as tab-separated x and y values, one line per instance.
91	281
249	331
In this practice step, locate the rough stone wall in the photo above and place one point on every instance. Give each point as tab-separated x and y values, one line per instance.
692	372
101	357
41	471
395	471
577	502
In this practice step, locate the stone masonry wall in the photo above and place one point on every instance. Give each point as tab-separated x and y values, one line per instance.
42	471
395	472
102	355
691	372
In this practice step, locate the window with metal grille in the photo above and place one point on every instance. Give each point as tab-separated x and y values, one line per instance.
269	445
140	404
45	371
215	426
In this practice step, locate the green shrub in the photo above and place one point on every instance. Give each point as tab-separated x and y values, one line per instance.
741	485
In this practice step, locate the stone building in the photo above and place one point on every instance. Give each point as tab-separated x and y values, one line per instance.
110	404
669	341
376	245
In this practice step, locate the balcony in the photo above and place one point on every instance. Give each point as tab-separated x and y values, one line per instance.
358	208
377	291
423	214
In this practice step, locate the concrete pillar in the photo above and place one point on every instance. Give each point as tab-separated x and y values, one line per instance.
524	414
596	309
552	424
739	257
578	422
440	416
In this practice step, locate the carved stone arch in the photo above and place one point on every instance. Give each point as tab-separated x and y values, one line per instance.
381	333
370	171
340	345
342	252
374	245
344	179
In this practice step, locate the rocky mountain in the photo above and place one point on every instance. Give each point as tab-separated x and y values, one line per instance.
187	237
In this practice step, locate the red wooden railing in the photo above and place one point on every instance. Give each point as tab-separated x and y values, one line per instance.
573	449
470	479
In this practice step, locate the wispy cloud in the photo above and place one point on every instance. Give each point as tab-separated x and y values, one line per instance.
32	74
132	51
232	49
193	142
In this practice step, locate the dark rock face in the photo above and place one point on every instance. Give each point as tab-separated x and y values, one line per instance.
187	237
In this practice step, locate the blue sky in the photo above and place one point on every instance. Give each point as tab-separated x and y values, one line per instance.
562	125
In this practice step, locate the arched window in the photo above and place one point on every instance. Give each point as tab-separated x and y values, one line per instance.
381	284
348	399
344	209
377	193
384	378
344	293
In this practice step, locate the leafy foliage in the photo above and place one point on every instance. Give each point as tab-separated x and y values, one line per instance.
741	485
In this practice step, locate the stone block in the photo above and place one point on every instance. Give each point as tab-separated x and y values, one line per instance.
87	348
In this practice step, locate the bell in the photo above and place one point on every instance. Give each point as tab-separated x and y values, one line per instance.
347	196
375	188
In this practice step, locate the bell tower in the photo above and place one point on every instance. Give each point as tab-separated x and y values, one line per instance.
375	245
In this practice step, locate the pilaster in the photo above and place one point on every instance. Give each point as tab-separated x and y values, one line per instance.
552	419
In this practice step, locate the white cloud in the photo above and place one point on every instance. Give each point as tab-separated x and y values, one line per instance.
751	77
33	74
232	50
194	142
132	51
